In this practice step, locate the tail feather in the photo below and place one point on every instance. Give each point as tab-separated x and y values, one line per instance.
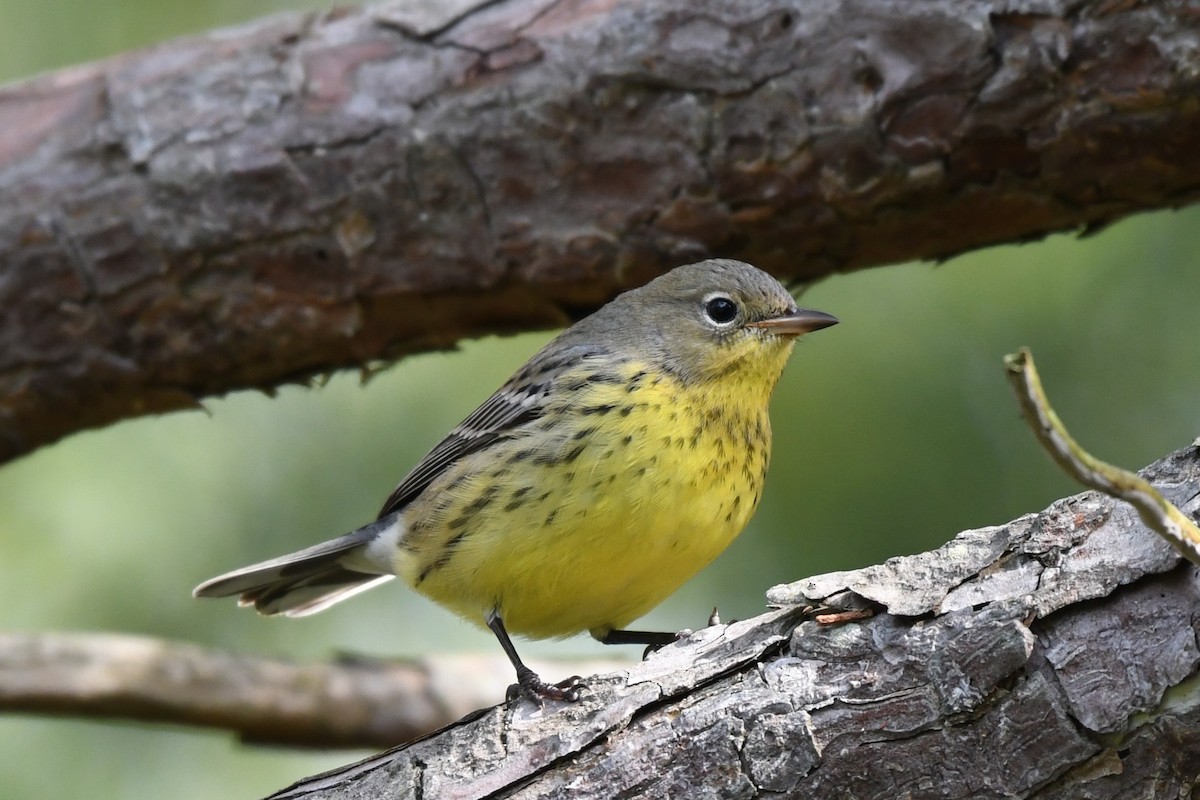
308	580
310	594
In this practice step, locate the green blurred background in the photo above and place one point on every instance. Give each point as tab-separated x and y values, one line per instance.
894	431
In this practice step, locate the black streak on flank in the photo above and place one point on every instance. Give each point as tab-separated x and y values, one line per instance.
737	501
483	501
593	379
443	558
517	499
520	456
600	409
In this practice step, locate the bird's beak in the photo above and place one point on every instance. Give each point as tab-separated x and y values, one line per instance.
796	322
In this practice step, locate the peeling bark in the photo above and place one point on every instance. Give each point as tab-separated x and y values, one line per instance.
1053	657
313	192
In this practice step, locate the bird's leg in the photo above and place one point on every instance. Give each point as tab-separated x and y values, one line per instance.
528	683
653	640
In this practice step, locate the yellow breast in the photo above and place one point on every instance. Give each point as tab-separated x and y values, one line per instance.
600	510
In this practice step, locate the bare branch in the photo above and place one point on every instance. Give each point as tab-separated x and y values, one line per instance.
314	192
352	702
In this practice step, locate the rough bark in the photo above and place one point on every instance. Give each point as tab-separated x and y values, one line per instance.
1053	657
313	192
351	702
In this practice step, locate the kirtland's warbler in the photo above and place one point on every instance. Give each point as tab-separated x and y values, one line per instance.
614	465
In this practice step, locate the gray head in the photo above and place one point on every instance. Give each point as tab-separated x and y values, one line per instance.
704	320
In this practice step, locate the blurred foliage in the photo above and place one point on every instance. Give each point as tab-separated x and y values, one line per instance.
894	431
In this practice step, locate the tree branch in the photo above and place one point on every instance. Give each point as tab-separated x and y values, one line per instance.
1053	657
352	702
314	192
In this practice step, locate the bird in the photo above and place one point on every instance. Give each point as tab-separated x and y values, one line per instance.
616	463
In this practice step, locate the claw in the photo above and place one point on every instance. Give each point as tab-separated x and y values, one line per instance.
531	687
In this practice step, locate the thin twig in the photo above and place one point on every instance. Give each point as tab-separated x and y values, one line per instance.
1155	510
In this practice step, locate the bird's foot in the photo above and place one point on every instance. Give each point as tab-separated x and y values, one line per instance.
713	619
531	687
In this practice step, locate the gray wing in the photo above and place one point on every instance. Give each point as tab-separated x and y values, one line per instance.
519	401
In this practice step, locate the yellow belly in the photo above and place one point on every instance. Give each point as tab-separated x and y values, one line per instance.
592	518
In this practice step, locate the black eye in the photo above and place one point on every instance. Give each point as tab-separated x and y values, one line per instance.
720	309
